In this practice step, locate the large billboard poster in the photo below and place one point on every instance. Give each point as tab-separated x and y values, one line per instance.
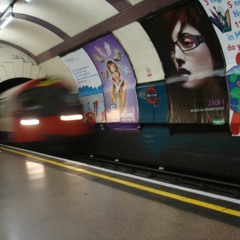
225	17
194	67
89	85
119	82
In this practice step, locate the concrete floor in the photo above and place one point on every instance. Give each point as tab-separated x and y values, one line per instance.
41	202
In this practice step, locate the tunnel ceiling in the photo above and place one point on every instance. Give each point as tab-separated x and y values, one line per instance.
44	29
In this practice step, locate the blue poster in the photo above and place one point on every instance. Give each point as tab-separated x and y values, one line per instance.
153	103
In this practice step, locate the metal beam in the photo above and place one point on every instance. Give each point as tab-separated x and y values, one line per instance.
124	18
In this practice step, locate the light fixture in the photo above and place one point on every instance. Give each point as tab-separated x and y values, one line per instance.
71	117
27	1
6	18
29	122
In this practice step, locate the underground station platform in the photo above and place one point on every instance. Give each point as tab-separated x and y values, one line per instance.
43	197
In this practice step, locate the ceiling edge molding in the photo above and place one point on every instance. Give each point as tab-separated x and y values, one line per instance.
120	5
128	16
20	49
42	23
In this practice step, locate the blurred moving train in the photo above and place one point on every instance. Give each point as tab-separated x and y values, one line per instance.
39	110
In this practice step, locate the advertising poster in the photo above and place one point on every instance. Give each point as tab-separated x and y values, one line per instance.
84	72
119	83
233	76
194	68
89	85
93	108
225	17
153	103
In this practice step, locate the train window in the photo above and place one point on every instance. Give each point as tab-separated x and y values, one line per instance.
46	101
72	100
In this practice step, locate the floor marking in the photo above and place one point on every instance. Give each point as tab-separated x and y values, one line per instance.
134	185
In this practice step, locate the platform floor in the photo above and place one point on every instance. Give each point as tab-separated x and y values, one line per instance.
43	198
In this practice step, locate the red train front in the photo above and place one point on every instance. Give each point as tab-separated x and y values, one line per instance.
44	109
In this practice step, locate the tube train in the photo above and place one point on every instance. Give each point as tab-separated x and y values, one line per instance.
39	110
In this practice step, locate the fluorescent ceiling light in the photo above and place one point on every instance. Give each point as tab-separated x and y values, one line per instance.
4	6
6	18
6	22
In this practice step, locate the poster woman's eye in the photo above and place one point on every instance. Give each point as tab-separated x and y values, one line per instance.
186	43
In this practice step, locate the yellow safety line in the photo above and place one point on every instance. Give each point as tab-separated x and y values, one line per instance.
134	185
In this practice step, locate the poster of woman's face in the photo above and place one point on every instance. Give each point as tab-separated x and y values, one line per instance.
194	66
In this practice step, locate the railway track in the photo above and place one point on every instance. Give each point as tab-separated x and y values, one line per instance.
224	187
